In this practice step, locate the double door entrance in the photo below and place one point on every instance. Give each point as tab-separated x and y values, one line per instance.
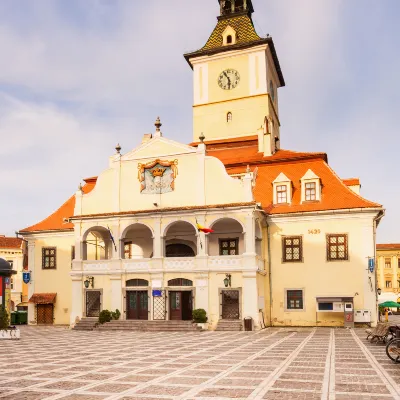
180	305
137	304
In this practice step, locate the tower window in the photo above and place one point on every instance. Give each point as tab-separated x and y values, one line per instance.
227	7
229	39
229	117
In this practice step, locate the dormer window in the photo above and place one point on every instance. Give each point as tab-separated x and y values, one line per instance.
310	187
281	194
282	189
311	191
229	36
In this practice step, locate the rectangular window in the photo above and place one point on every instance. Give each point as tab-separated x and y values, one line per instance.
12	283
49	257
311	191
11	262
388	263
337	247
72	254
128	250
294	299
281	194
388	284
398	262
229	247
292	249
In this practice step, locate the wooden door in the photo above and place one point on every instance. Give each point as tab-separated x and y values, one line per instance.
44	314
93	303
230	304
175	305
137	305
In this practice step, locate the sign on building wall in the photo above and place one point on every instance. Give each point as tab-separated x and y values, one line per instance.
157	293
371	265
26	277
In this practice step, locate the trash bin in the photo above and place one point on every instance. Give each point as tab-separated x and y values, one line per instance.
13	318
248	324
22	317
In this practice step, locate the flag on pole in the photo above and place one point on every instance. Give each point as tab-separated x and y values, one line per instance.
112	237
201	228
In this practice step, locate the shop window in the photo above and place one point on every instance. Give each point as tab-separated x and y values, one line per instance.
337	247
292	249
294	300
49	258
229	247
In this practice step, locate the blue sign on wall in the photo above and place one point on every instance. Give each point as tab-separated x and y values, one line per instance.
371	264
26	277
157	293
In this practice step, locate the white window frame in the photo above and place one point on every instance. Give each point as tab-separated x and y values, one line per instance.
282	180
310	177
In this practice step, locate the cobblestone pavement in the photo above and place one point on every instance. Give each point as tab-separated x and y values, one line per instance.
306	364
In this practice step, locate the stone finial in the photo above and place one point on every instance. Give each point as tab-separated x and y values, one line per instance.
248	170
158	126
80	187
202	137
118	148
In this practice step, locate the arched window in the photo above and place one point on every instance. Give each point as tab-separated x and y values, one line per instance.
229	117
227	7
137	282
180	282
179	250
229	39
239	6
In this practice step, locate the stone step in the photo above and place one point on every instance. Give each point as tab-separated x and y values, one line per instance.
229	325
153	326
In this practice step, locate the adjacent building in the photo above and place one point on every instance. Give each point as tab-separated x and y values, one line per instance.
289	243
388	269
13	251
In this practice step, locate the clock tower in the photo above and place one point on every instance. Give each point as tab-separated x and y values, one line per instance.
236	76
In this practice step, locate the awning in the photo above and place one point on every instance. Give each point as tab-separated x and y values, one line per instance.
334	299
43	298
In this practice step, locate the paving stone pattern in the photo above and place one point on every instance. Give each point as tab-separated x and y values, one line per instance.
280	364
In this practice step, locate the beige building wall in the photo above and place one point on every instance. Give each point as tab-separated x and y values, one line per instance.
318	277
388	270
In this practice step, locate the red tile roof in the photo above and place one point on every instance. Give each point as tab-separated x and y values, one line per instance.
335	193
55	222
388	246
10	242
43	298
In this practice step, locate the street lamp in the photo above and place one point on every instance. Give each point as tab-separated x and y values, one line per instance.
228	280
379	291
89	281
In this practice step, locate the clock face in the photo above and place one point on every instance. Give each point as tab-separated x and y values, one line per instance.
228	79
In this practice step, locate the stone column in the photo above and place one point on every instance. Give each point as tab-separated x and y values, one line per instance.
77	299
116	292
250	235
250	297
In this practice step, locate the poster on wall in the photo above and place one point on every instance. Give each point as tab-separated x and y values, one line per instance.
7	294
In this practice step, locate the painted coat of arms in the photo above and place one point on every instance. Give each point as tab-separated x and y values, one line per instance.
158	176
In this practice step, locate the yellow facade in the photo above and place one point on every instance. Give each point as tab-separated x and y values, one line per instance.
388	268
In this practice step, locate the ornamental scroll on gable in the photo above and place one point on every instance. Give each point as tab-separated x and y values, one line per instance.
158	176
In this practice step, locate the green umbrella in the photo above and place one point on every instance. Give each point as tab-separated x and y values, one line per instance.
390	304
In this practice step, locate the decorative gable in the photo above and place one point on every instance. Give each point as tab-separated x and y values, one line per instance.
310	187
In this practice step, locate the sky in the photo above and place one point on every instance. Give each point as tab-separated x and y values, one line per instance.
77	77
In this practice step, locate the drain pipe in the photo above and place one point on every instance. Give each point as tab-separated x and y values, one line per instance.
269	271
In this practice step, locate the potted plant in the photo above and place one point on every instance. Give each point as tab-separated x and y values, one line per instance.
6	331
200	318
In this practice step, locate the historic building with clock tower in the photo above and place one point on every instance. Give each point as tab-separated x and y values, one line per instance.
231	223
236	77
